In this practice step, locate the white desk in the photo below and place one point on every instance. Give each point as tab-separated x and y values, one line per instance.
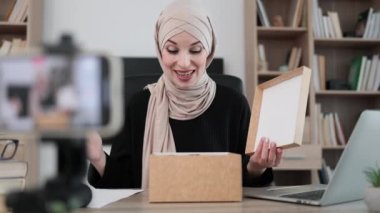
139	203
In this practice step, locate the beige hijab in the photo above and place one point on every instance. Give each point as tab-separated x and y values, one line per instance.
166	100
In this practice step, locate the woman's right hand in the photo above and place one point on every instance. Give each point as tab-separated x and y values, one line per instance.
95	153
266	155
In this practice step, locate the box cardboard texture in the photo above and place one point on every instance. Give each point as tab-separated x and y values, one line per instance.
195	178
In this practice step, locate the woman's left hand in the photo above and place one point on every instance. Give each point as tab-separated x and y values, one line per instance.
266	155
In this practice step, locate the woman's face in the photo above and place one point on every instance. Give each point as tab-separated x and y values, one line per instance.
184	60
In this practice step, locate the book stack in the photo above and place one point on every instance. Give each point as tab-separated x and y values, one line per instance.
12	176
319	72
294	20
371	30
294	58
329	131
13	173
364	73
326	25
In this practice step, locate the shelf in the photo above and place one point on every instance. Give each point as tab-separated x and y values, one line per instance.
338	55
12	28
31	32
333	148
6	23
280	32
345	93
269	73
346	42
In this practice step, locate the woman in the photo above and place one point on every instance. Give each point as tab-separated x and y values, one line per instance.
185	111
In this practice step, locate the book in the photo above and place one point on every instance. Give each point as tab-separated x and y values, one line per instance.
324	33
372	26
354	72
318	134
296	8
326	27
372	73
366	71
322	71
316	26
262	14
376	32
331	124
13	169
326	132
297	21
368	17
292	58
361	73
10	184
321	135
297	60
376	85
335	23
339	130
261	51
315	73
262	61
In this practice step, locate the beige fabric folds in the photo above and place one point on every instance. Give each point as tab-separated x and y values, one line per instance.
166	99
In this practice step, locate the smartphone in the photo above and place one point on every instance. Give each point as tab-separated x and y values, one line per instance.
59	96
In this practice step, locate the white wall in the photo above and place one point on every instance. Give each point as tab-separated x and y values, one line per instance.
126	27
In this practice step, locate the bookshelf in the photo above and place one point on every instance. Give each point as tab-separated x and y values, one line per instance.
300	163
338	53
29	30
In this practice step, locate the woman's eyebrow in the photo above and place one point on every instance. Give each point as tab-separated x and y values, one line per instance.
195	43
173	42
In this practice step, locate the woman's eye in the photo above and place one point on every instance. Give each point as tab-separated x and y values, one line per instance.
196	50
172	50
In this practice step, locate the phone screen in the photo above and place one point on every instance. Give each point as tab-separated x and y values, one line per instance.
48	92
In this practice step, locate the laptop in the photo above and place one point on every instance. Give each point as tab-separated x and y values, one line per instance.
348	182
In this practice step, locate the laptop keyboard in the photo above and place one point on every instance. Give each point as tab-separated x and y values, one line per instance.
312	195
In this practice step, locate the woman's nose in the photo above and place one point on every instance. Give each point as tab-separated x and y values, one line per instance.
184	60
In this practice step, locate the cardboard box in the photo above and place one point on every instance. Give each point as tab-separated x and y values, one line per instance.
195	177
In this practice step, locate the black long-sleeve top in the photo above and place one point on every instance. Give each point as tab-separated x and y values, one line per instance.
223	127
